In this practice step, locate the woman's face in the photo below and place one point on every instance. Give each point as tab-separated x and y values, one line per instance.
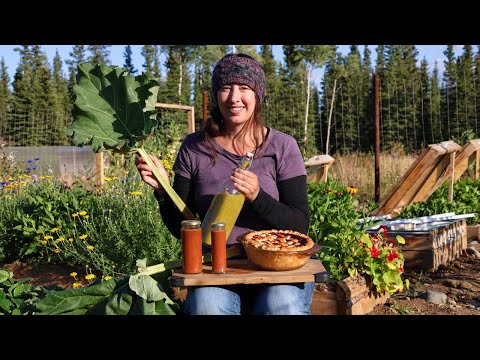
236	103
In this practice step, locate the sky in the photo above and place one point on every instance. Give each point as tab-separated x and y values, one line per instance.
11	57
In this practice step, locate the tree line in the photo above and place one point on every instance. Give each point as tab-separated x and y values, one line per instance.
416	107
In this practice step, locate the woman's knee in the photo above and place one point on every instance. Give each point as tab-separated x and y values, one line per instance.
284	299
212	300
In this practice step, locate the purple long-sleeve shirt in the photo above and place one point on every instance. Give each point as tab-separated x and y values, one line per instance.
278	160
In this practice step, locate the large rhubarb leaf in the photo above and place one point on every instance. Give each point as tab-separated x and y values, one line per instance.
113	110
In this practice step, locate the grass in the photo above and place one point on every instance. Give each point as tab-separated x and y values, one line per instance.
358	170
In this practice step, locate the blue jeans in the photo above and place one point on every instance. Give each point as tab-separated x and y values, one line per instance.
259	299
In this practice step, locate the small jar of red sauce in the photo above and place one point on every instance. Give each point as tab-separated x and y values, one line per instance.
192	246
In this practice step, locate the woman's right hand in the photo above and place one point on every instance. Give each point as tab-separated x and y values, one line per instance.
147	175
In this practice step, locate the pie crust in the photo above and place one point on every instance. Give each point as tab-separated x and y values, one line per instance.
278	240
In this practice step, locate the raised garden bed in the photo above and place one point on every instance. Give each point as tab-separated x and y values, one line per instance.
431	244
350	296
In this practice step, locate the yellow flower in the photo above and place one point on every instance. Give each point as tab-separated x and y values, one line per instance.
60	239
56	228
44	242
90	276
74	215
352	190
108	277
56	251
70	239
84	236
90	247
136	193
47	237
77	284
86	216
83	213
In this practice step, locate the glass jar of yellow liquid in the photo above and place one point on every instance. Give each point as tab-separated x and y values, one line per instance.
226	205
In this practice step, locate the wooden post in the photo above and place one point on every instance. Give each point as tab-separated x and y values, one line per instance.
377	137
477	163
99	175
191	120
451	177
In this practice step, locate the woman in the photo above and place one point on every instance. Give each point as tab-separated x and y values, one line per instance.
275	187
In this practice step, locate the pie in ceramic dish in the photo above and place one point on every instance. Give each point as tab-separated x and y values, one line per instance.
278	240
278	250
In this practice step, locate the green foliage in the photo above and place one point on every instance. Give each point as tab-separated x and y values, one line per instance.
42	207
122	223
17	297
130	295
113	110
347	250
466	200
333	208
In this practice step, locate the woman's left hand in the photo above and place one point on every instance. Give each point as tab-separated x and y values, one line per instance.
247	183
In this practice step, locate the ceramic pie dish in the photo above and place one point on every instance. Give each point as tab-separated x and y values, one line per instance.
278	250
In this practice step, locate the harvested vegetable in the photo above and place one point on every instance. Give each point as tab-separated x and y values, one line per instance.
116	111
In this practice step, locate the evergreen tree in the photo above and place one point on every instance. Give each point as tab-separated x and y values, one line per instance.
366	103
178	79
5	96
435	107
99	54
62	106
204	60
128	60
77	57
272	116
41	117
450	91
426	106
476	128
18	124
151	54
466	94
314	56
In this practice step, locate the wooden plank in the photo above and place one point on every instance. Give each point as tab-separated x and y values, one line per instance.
172	106
318	166
429	260
241	271
420	179
430	180
439	175
367	303
466	156
413	178
356	297
324	300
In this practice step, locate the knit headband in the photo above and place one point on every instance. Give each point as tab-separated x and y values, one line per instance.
241	70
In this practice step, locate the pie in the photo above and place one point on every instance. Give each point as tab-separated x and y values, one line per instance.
278	240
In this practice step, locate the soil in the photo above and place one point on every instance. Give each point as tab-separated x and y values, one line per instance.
459	281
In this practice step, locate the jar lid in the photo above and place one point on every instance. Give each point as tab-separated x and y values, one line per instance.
218	226
191	223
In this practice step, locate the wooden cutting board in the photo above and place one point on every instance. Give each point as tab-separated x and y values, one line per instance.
241	271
